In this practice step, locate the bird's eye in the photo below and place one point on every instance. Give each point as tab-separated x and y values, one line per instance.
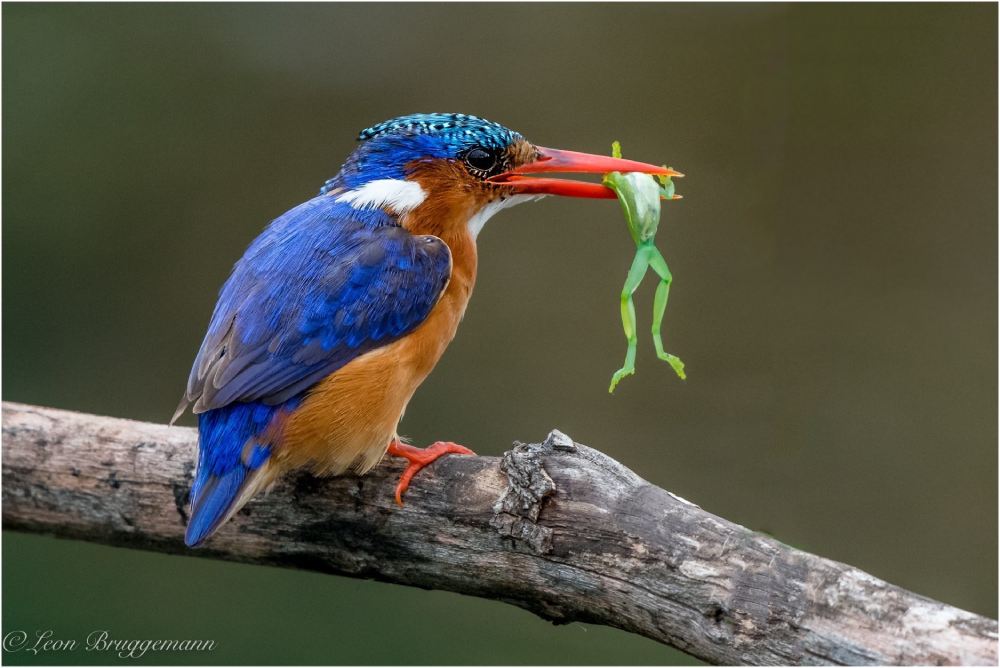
481	159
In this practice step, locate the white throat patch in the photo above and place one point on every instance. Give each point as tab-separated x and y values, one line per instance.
477	222
397	195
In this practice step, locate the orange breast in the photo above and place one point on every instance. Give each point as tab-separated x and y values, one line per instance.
349	418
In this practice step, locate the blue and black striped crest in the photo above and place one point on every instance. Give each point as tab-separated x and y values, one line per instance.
458	129
388	147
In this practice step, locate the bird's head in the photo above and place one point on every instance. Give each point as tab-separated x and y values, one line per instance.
449	171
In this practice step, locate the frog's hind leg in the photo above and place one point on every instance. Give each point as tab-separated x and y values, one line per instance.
635	274
659	265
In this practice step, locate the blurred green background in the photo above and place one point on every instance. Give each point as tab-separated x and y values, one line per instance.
835	294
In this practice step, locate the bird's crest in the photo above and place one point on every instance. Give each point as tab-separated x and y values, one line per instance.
458	128
388	148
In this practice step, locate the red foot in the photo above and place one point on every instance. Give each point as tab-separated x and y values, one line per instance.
419	458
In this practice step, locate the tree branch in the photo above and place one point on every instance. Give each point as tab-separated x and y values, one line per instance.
556	528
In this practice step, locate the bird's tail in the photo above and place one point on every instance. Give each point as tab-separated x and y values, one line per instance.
217	499
234	463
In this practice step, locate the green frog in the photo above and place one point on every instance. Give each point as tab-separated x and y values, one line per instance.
639	195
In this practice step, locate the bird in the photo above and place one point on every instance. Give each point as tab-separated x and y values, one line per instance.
343	305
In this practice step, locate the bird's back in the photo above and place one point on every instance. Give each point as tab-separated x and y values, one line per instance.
323	286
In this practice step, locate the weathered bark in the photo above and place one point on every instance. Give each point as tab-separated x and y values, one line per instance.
556	528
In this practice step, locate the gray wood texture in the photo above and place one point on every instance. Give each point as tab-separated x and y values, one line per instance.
556	528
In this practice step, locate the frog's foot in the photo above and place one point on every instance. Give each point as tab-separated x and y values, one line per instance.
675	362
626	370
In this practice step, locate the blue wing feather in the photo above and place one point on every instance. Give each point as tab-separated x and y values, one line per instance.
322	285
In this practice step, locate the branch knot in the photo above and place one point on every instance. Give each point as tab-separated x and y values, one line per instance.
516	511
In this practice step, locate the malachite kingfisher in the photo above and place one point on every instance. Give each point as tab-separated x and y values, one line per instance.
342	306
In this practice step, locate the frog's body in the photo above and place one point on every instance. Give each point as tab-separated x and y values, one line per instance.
639	195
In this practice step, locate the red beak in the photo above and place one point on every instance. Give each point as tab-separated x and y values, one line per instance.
554	160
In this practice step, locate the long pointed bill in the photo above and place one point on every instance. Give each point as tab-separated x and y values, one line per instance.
554	160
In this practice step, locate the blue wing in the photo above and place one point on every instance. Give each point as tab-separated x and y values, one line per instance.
322	285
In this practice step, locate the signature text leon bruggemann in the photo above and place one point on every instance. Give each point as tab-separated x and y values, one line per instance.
99	641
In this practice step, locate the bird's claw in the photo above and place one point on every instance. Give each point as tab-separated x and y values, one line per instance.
418	458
